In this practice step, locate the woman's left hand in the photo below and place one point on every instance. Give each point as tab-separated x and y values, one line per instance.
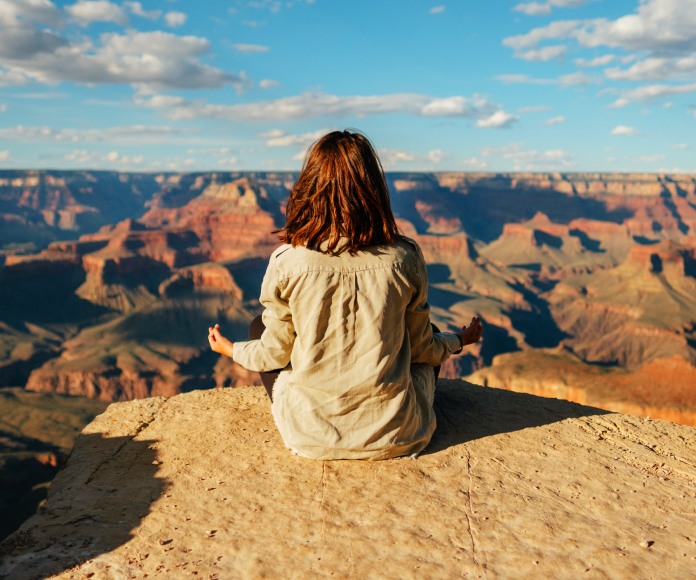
472	333
218	343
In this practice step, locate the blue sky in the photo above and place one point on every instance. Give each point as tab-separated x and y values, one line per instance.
549	85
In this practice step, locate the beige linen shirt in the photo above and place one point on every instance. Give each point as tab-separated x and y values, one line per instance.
352	334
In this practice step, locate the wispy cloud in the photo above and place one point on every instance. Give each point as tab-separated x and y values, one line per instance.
568	80
268	83
250	48
279	138
312	105
544	8
530	159
125	134
545	53
555	121
437	9
652	92
624	130
498	120
175	19
597	61
137	9
112	158
398	158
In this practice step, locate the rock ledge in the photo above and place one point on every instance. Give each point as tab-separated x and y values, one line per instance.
512	485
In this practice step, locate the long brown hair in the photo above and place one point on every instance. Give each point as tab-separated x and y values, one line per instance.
341	192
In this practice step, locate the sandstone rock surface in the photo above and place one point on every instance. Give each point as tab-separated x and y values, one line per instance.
512	485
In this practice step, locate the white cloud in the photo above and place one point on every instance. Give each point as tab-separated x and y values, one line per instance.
534	109
597	61
392	157
545	53
555	121
652	158
395	158
4	155
112	158
652	92
174	19
568	80
79	156
659	34
553	31
530	159
656	25
137	9
656	68
544	8
578	78
85	12
523	79
35	45
310	105
148	59
681	146
498	120
437	9
11	78
228	161
275	6
268	84
436	155
251	48
279	138
3	107
127	134
625	130
215	151
474	163
20	13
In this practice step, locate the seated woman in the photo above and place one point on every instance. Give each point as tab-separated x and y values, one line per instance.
346	321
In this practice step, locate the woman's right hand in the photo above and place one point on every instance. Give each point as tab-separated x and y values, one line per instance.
472	333
218	343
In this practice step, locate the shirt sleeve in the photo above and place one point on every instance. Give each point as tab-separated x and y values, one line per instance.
427	347
272	351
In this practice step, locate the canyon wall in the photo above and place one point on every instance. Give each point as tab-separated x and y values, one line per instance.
109	281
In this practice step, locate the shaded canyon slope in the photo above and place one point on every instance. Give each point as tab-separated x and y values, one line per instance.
586	282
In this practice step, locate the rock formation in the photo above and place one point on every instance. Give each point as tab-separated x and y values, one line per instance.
597	268
512	485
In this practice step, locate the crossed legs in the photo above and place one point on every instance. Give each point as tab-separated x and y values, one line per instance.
268	379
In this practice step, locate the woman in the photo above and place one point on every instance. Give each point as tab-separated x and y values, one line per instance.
346	316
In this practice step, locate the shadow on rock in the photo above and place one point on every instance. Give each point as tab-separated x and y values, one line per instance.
106	487
466	412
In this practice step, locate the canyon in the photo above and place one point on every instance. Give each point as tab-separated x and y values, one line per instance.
586	283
